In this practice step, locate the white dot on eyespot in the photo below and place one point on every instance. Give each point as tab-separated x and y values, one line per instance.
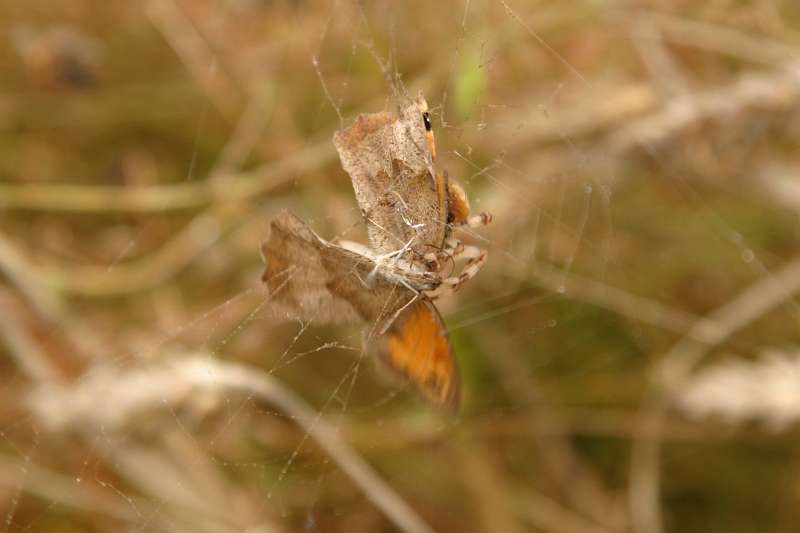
748	256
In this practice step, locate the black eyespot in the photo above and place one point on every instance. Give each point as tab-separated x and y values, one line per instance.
426	119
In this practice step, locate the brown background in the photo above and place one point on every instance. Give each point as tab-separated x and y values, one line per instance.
640	159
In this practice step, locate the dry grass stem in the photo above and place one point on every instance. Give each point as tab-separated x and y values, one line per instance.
774	92
738	391
234	189
182	380
723	40
671	375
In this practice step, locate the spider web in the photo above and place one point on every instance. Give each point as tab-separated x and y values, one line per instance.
152	387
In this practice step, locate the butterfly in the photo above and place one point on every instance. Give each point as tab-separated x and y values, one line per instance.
411	212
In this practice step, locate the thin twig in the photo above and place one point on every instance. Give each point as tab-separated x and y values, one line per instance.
232	188
203	232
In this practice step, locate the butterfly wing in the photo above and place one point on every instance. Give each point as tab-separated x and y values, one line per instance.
389	158
312	279
417	347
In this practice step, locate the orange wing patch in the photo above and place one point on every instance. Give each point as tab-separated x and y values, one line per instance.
416	346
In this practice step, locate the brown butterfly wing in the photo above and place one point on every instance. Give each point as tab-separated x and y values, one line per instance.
390	163
417	347
312	279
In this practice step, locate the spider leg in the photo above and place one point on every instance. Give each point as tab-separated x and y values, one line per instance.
476	259
476	221
453	248
470	253
431	261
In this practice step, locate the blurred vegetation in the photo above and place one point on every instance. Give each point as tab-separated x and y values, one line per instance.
640	160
